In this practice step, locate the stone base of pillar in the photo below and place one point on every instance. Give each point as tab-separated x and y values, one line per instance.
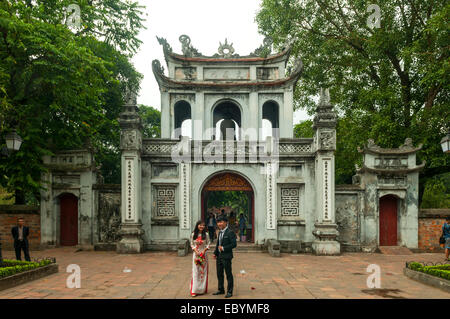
131	242
326	243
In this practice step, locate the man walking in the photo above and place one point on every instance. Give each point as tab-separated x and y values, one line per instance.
20	235
224	253
211	222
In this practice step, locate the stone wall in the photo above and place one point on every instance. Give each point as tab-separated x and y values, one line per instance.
349	212
8	219
430	228
108	216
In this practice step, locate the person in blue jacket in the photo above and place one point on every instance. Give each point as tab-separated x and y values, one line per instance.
446	232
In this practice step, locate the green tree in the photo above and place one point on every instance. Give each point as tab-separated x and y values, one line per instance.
387	83
151	120
62	88
304	129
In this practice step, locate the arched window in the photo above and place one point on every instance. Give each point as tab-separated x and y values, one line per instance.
227	119
183	122
270	112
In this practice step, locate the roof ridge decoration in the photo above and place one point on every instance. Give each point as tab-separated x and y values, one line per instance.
226	50
406	148
187	48
166	46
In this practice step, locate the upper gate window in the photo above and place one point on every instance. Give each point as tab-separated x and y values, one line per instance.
270	112
182	125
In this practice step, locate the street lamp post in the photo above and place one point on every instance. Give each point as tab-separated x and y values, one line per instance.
13	143
445	143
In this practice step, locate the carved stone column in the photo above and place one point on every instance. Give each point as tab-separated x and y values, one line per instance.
131	210
325	144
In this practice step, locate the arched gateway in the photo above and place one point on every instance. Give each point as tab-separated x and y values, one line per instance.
230	181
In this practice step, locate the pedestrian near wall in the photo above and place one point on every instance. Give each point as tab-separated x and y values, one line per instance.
20	234
446	234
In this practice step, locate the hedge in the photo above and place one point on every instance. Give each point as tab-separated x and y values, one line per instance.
11	267
442	271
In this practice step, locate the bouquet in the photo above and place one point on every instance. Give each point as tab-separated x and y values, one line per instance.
200	259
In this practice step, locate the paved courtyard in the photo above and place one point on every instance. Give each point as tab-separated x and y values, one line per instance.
164	275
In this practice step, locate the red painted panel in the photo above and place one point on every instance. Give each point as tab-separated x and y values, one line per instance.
69	220
388	221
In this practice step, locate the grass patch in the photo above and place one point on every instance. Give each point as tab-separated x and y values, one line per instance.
12	267
442	271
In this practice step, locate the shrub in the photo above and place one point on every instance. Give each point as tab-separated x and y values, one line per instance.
442	271
12	267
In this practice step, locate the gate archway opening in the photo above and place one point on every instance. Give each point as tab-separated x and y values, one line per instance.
237	197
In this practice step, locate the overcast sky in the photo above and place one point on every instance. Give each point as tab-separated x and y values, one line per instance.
206	22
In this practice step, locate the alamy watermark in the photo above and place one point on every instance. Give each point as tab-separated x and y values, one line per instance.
73	16
374	20
74	280
374	280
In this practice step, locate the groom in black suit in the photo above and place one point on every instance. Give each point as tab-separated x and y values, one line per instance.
224	253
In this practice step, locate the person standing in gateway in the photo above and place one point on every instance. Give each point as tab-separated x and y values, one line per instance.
224	254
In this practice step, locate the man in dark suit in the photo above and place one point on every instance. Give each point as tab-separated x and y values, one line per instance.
20	234
224	253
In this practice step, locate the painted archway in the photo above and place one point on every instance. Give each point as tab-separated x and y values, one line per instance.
229	181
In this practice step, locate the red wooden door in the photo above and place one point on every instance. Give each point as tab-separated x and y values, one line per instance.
69	220
388	221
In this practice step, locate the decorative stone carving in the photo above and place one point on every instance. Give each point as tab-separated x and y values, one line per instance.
158	148
327	140
187	48
325	116
129	139
226	50
157	67
290	202
165	201
227	181
324	96
294	148
166	46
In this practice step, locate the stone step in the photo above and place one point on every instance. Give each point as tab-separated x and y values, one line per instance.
245	247
395	250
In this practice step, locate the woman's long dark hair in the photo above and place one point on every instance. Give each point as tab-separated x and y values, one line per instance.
196	230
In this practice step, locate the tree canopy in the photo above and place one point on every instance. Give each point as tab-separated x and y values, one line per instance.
61	87
387	83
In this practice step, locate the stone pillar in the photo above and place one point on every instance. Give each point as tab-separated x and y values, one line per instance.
286	118
131	210
166	116
254	118
325	228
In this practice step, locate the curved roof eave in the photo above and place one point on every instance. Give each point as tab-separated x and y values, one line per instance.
165	82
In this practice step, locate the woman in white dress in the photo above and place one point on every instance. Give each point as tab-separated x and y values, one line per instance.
200	244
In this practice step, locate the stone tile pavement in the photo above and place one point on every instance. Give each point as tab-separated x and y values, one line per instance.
164	275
